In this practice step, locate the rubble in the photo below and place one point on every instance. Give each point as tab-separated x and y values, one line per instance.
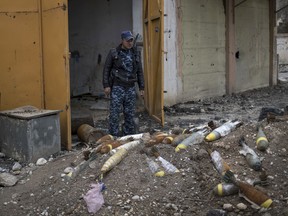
132	189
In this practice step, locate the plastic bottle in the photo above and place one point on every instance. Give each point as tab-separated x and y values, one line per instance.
194	138
225	189
223	130
261	140
154	167
168	167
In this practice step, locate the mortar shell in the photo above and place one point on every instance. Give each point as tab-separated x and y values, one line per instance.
261	140
225	189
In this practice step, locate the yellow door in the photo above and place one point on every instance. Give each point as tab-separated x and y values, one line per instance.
56	63
153	57
20	57
34	58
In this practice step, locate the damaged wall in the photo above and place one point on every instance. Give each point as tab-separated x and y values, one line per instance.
282	16
202	48
282	49
252	42
94	28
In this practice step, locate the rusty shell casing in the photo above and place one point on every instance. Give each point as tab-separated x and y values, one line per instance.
109	146
254	195
156	139
169	139
89	134
105	138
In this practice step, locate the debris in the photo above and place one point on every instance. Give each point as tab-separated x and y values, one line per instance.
17	166
41	162
241	206
228	207
94	198
263	179
271	110
7	180
216	212
79	168
275	118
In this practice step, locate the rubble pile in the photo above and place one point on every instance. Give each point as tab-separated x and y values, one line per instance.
172	170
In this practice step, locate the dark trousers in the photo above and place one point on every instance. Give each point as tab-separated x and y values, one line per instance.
122	100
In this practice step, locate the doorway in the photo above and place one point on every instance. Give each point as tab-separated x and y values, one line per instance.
94	28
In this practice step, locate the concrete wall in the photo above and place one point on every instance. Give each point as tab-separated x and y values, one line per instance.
252	42
172	79
137	20
94	28
202	48
282	48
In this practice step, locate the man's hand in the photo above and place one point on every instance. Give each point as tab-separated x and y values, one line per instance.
107	91
142	93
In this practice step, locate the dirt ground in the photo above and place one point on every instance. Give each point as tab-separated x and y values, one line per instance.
132	189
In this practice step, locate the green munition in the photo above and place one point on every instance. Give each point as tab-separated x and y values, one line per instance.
252	159
261	140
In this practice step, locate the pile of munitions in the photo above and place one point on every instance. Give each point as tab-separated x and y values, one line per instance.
180	139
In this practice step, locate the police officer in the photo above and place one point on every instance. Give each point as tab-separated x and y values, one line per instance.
123	67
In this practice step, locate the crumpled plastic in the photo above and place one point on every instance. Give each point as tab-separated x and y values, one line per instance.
94	198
